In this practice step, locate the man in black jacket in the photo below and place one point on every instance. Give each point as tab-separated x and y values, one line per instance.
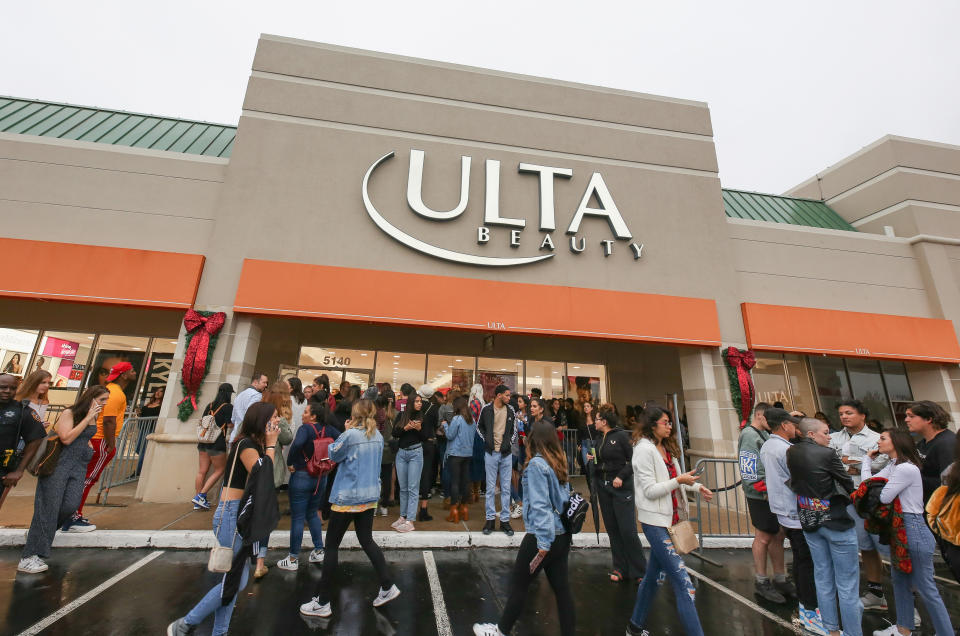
823	486
497	428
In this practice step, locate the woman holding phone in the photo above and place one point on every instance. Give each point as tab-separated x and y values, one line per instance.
257	438
546	545
409	461
58	495
659	494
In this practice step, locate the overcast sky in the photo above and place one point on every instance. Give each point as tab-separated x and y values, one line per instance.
792	87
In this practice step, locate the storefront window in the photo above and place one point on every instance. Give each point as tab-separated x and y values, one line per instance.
586	382
65	355
158	372
801	392
867	386
112	350
450	372
546	376
830	378
16	345
399	368
895	377
494	371
769	380
338	364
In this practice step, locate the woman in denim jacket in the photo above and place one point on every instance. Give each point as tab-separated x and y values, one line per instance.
356	491
546	545
460	432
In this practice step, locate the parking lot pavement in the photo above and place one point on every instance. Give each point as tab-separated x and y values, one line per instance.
151	588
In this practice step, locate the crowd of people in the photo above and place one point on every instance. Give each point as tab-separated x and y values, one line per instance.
346	456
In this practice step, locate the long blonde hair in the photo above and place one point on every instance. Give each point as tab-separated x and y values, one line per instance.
279	396
364	415
30	385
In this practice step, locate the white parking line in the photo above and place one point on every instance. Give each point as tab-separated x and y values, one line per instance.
742	599
36	628
439	606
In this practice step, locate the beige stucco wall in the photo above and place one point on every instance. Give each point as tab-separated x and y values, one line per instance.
97	194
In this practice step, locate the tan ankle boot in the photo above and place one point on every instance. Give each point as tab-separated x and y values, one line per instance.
464	513
454	516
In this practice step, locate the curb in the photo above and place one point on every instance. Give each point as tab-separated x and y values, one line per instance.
204	539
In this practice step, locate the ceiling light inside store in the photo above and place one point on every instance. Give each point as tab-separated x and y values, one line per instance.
89	337
363	355
396	356
449	366
173	342
459	360
576	367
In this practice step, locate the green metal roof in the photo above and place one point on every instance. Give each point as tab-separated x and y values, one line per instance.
81	123
777	209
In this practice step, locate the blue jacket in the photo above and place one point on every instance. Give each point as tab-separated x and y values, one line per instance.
543	499
358	467
460	436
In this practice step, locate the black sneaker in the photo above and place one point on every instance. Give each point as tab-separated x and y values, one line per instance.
786	588
423	515
633	630
488	526
766	591
505	527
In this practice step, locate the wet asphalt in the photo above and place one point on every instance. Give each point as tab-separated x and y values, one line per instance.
474	584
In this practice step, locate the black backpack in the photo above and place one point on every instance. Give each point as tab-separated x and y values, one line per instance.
574	512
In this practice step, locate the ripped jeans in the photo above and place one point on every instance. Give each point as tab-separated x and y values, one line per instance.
664	559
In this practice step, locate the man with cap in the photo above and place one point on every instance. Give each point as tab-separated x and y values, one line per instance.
428	428
783	503
109	425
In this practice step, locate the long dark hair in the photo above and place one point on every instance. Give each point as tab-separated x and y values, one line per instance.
296	390
254	425
224	392
953	475
82	405
461	408
904	446
544	416
542	440
652	415
408	411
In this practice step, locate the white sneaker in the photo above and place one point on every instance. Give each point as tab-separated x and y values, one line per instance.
32	565
517	511
314	608
316	556
916	618
288	563
397	523
406	526
872	602
385	596
889	631
382	511
487	629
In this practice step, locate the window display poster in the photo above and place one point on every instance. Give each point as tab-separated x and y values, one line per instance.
14	362
157	374
106	359
15	348
583	388
57	357
489	380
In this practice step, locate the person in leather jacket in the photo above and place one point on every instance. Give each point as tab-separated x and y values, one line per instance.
823	486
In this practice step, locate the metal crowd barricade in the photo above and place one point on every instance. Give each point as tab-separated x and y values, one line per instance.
571	446
131	450
726	515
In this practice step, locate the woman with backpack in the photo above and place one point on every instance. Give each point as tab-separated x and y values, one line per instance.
356	491
213	454
660	496
307	486
546	546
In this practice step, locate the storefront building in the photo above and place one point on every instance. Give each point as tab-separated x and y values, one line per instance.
386	219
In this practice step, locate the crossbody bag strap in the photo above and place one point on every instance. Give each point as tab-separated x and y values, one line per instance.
228	480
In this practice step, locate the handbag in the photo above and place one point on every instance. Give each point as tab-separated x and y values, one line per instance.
207	430
683	534
221	556
45	461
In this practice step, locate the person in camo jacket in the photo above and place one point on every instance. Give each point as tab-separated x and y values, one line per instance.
768	535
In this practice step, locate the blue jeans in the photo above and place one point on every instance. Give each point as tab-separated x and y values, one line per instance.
226	518
921	546
516	492
305	495
664	559
836	570
499	468
409	466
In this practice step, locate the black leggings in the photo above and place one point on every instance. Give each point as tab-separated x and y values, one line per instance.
429	473
555	565
386	481
802	568
459	479
620	520
336	528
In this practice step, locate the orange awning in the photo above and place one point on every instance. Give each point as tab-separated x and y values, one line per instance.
483	305
95	274
849	333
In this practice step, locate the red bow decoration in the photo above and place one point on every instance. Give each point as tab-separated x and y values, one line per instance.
741	362
199	330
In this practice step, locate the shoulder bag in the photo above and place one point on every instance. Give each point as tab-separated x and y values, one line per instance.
45	461
221	557
207	430
683	534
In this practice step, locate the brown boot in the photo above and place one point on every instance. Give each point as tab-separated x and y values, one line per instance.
454	516
476	493
446	503
464	513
